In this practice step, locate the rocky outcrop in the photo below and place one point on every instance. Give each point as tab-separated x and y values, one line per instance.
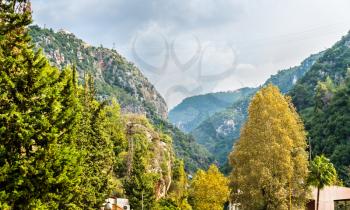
159	156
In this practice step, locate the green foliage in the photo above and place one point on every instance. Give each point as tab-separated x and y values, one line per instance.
166	204
40	164
333	64
329	128
178	191
322	172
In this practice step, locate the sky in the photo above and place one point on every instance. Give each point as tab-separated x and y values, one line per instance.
191	47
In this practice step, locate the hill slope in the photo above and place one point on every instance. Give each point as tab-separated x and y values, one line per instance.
218	132
193	110
114	75
322	97
117	77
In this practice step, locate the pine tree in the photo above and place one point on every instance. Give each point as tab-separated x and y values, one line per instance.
39	163
209	190
269	160
94	141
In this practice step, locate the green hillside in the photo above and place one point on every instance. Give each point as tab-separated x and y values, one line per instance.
218	132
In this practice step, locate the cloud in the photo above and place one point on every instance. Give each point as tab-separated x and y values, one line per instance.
180	43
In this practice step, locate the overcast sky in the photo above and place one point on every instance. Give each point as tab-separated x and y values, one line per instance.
189	47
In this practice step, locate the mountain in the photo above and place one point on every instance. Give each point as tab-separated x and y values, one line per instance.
116	77
218	132
322	98
113	74
190	112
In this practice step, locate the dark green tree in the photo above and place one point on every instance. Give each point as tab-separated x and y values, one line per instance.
140	186
329	130
94	141
39	163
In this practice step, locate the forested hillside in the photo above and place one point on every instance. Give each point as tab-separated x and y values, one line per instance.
322	98
194	110
114	76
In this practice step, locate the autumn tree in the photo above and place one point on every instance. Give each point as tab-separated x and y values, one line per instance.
322	173
269	160
209	190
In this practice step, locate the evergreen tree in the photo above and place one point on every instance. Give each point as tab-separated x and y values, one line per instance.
39	163
329	130
269	160
209	190
95	142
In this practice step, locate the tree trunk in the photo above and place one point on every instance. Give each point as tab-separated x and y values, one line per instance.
318	198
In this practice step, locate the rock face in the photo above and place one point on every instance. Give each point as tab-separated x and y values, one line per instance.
114	75
156	149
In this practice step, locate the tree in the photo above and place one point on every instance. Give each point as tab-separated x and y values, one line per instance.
269	160
329	130
209	190
178	191
39	162
95	143
322	173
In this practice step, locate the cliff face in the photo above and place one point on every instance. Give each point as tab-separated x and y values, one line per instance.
114	75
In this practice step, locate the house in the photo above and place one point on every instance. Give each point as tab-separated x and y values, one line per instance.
116	204
331	198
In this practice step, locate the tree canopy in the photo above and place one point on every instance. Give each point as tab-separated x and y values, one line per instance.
269	160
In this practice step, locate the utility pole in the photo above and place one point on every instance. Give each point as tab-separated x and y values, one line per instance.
142	199
310	150
130	149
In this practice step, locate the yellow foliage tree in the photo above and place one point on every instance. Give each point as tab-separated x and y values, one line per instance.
209	190
269	160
